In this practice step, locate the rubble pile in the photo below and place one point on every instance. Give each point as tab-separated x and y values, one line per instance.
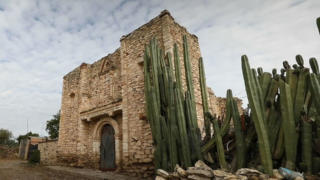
201	171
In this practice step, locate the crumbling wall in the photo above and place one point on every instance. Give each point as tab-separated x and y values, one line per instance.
48	152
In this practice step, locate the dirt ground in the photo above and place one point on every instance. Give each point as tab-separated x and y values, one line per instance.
17	169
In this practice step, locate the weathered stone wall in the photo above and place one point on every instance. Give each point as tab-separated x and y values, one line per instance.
137	139
48	152
89	92
69	119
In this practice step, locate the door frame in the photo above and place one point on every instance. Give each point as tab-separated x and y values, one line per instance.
97	138
113	146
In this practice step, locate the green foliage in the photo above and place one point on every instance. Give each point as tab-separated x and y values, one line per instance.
26	136
53	126
34	157
5	137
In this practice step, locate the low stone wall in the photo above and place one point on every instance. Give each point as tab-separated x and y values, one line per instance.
48	152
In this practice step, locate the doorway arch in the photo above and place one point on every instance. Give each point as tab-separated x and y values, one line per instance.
107	148
97	137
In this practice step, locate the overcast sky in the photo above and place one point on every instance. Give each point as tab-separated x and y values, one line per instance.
41	41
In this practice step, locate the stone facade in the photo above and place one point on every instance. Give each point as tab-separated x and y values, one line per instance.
111	91
48	152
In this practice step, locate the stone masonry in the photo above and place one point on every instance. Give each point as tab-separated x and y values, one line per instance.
48	152
111	91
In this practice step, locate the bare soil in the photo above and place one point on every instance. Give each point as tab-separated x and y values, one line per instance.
17	169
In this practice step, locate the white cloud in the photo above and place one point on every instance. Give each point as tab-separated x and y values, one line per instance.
40	41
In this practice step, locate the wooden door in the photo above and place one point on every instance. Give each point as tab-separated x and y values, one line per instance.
107	148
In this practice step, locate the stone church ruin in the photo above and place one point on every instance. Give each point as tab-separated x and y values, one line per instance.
103	122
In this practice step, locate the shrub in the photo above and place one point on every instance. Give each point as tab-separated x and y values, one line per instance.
35	156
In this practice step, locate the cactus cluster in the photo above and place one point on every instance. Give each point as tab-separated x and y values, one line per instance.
171	111
282	121
291	115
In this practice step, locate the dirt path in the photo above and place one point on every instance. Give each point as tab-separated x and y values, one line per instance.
17	169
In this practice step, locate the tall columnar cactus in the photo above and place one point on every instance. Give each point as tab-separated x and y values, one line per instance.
191	113
291	78
204	96
240	145
255	101
152	95
185	148
288	124
189	80
301	89
171	119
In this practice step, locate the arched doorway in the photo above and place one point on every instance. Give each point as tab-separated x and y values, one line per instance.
107	148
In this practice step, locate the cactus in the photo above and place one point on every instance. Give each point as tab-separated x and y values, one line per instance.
288	124
172	123
195	137
177	68
279	146
252	89
274	72
189	80
301	91
273	115
299	60
315	91
184	142
152	98
204	97
307	144
291	79
240	145
314	65
286	65
217	135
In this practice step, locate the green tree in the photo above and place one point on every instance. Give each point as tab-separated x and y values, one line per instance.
26	136
5	136
53	126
